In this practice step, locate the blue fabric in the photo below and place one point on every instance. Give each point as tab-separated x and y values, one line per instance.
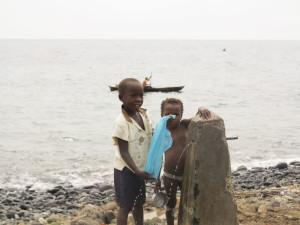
161	142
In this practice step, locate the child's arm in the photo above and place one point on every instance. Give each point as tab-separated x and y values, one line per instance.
157	185
202	112
123	146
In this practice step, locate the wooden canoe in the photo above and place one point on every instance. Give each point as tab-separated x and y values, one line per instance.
154	89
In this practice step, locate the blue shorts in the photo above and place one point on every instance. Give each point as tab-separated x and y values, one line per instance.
128	188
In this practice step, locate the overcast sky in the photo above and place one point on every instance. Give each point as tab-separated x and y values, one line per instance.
159	19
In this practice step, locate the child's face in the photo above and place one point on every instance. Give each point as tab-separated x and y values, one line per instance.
132	97
172	109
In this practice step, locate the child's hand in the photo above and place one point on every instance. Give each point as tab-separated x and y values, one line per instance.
144	175
204	113
172	117
157	186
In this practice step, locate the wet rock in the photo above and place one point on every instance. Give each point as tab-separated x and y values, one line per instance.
60	192
24	207
267	183
235	174
105	187
53	191
108	192
95	191
241	168
87	191
295	162
257	169
10	215
282	165
89	187
59	187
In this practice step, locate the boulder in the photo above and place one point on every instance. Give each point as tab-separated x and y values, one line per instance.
281	165
207	196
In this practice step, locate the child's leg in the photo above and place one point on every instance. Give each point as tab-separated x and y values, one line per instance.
122	216
138	212
171	189
129	189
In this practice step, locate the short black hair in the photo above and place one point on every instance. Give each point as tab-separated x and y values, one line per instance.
171	101
123	84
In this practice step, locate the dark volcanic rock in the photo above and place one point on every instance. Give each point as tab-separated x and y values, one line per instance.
24	207
53	191
10	215
282	165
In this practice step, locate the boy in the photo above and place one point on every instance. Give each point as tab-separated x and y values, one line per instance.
174	156
132	135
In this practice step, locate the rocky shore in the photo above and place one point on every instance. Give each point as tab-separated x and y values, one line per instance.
263	195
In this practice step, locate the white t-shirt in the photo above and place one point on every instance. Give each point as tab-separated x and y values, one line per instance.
138	139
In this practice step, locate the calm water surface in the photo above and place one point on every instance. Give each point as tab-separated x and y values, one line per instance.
57	112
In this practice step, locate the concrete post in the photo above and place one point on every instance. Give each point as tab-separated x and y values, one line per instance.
207	194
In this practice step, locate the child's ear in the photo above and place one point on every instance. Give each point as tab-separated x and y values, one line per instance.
121	98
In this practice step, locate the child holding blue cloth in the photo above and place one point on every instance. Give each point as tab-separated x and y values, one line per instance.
161	142
175	155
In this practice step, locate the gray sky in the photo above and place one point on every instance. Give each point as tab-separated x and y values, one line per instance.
159	19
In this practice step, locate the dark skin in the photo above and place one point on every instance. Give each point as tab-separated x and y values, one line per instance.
132	99
174	156
178	129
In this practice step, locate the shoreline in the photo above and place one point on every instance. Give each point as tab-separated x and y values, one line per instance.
260	193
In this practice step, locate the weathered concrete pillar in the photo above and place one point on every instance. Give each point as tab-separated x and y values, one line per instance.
207	195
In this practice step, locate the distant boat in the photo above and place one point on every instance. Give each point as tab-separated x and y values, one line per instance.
154	89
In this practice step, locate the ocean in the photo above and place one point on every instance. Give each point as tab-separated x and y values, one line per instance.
57	111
